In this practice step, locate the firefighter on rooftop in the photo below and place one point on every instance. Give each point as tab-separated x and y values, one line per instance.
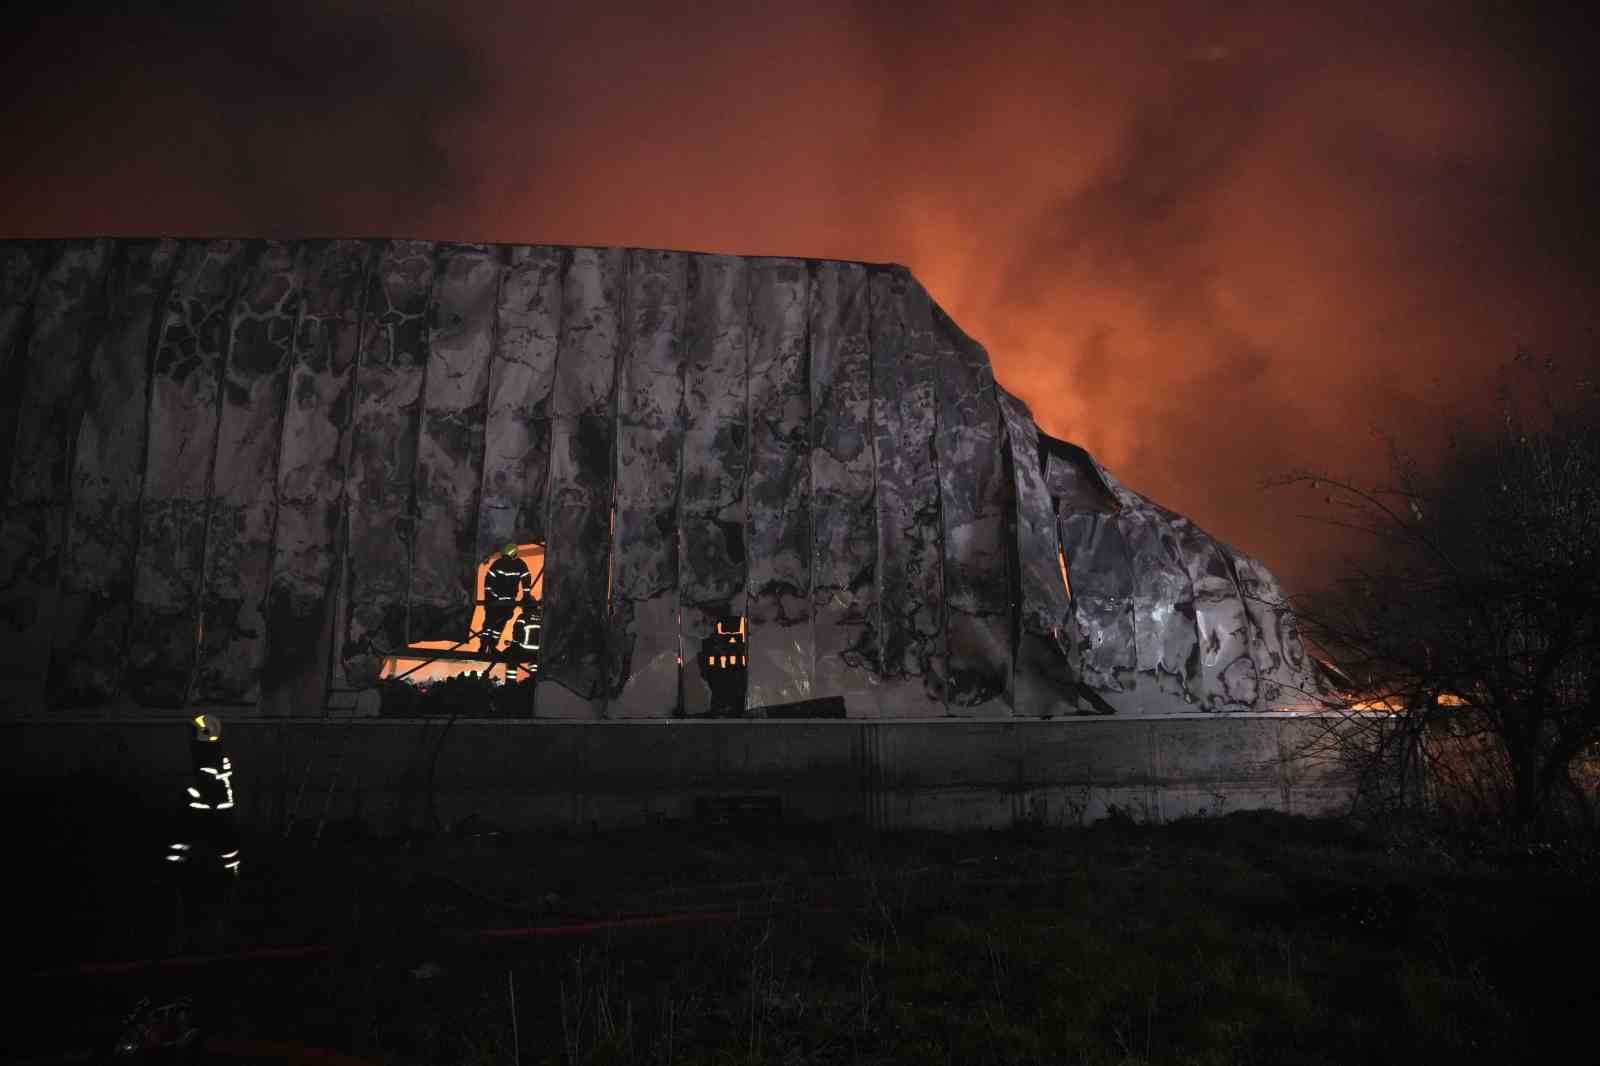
507	577
208	840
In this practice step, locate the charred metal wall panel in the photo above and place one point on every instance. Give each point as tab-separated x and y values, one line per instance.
356	424
1166	642
975	496
1227	679
68	315
582	440
244	484
1275	644
643	671
1044	681
107	482
843	480
308	538
444	569
381	483
910	577
184	397
716	453
1100	566
781	649
516	458
21	266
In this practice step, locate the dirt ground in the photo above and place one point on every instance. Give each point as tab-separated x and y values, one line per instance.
1248	938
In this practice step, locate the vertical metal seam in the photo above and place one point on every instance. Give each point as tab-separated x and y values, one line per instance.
744	490
623	342
115	255
500	259
338	586
158	323
1013	547
413	517
680	426
943	639
203	579
299	269
877	526
690	326
563	270
20	345
811	482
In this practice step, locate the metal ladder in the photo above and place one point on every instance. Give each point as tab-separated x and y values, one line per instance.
333	763
334	760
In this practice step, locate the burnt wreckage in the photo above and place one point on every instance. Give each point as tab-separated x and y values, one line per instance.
245	472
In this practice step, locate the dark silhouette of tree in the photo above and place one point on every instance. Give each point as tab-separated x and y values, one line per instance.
1476	621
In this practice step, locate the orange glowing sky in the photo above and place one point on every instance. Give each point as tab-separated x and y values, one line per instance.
1210	242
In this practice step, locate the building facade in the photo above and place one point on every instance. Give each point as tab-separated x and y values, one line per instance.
245	474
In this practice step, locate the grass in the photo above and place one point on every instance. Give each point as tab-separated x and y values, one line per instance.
1251	938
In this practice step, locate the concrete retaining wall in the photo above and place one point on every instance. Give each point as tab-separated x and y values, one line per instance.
927	773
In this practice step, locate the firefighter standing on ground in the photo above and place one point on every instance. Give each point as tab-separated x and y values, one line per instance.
209	838
507	577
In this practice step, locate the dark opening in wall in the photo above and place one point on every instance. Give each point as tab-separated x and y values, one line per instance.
724	662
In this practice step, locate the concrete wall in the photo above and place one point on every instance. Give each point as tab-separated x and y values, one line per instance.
935	773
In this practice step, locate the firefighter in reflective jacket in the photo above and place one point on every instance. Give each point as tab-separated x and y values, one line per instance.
506	578
209	838
723	664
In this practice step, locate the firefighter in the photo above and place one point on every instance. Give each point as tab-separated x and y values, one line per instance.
208	843
724	665
507	578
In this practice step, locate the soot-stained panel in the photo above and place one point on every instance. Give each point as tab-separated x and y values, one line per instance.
1227	676
1166	642
381	484
244	483
1045	678
1100	565
582	439
184	396
711	502
21	265
450	444
107	482
975	494
843	479
516	458
910	574
68	315
781	650
315	450
643	671
1275	643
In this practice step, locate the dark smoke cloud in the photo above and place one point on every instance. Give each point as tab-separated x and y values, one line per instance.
1209	241
258	119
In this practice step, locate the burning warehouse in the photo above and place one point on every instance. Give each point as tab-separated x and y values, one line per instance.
255	474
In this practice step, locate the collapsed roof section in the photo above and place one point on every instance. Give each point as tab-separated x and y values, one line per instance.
247	472
1168	618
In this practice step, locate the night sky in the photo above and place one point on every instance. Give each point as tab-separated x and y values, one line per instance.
1209	242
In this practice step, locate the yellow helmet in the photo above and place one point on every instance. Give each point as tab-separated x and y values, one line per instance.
207	727
510	550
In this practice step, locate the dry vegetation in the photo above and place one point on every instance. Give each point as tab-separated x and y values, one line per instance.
1240	939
